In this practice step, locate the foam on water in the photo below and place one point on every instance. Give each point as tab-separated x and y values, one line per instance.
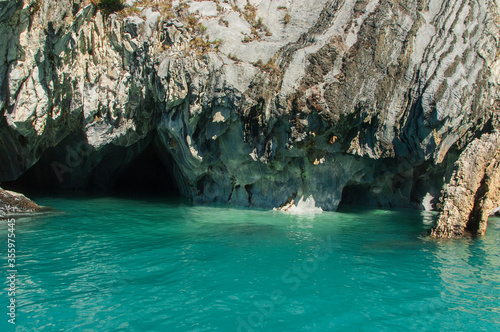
307	206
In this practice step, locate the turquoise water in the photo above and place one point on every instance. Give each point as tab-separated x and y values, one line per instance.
110	264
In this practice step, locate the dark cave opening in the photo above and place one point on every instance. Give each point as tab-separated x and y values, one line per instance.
354	195
137	170
146	174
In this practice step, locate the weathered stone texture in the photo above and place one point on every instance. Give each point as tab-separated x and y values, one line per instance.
15	204
473	191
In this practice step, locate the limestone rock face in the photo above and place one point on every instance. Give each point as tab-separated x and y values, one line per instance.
474	190
254	103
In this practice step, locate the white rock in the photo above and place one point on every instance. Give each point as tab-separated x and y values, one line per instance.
204	8
218	117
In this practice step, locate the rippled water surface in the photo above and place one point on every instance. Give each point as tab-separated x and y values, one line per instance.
110	264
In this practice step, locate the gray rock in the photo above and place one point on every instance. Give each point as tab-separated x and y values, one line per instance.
134	25
130	3
178	24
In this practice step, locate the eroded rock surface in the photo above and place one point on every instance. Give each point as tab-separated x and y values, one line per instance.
474	190
254	103
13	204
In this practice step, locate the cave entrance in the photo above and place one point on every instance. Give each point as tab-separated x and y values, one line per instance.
141	169
357	195
146	174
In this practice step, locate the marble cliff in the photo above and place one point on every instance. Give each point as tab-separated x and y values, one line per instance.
260	103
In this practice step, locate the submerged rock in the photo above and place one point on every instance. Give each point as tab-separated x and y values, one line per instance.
250	103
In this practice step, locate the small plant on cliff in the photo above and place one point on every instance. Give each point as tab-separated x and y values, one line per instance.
247	39
250	12
270	66
35	7
203	46
163	6
194	24
220	9
223	22
233	57
108	6
287	18
259	64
